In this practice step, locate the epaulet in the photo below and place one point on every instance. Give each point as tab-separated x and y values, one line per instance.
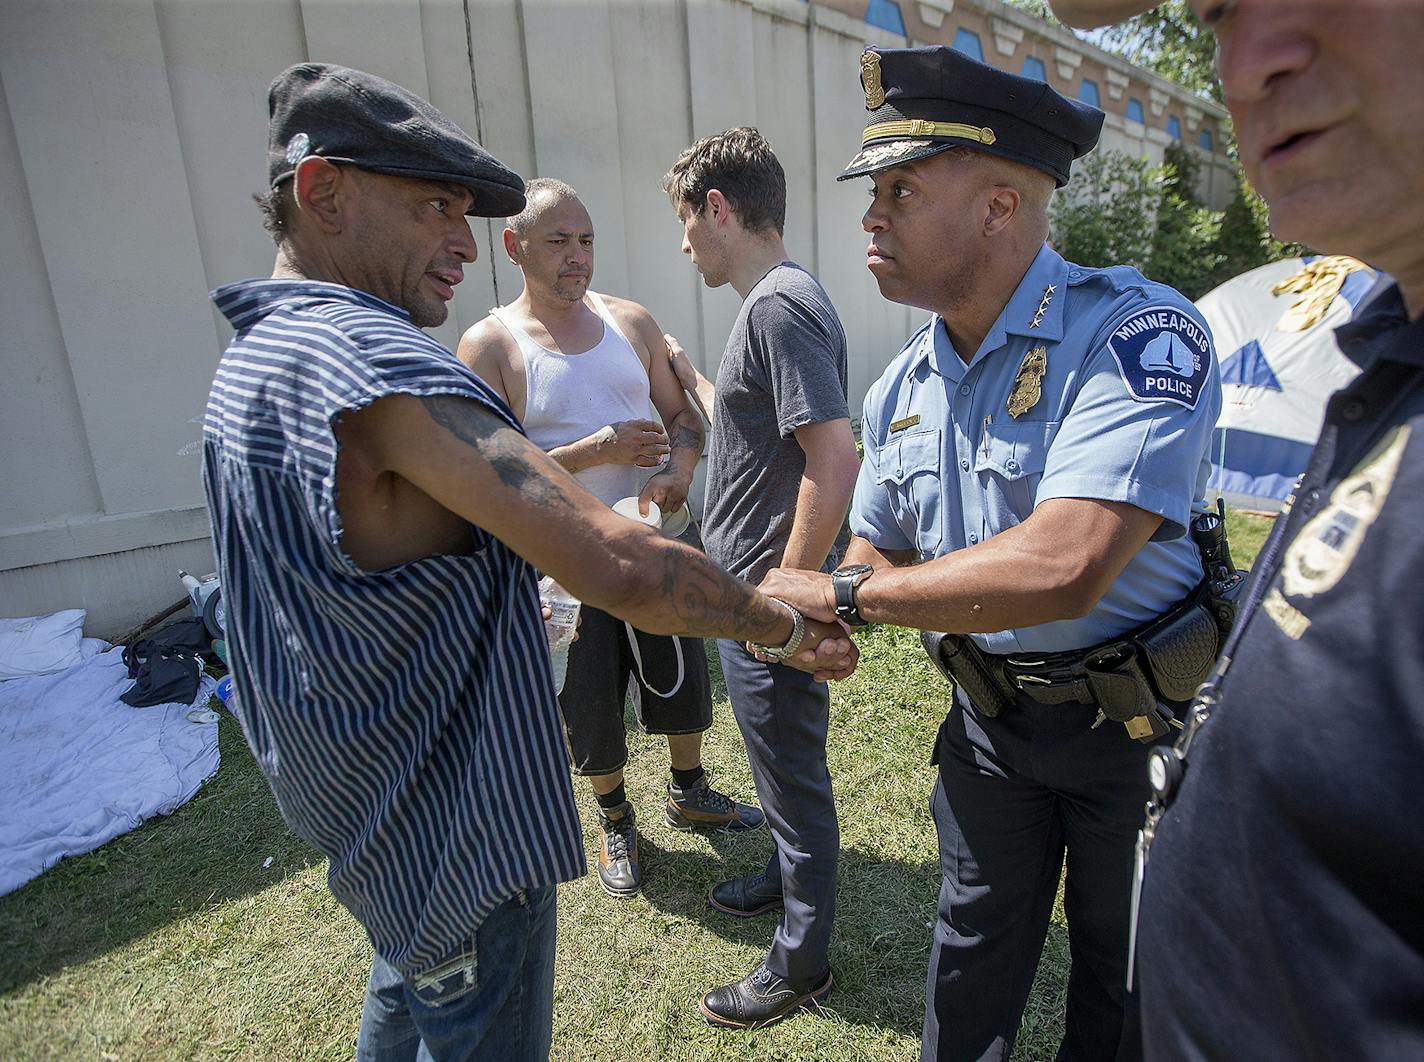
1114	278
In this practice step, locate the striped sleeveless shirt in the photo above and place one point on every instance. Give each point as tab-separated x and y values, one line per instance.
405	719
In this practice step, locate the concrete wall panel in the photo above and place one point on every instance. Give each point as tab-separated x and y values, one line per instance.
119	590
575	112
93	116
654	125
875	329
47	472
495	43
220	59
721	37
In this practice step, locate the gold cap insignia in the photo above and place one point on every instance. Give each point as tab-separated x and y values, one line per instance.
870	79
1028	382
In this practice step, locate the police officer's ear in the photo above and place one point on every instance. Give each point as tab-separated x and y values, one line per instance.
1003	204
318	188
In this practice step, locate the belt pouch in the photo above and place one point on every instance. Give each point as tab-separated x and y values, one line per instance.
1180	649
959	660
1118	684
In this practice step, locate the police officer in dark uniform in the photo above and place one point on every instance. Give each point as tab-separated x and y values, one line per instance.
1282	912
1032	460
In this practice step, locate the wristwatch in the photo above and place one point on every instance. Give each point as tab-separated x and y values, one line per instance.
845	580
793	643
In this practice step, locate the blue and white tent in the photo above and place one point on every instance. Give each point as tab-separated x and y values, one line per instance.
1275	334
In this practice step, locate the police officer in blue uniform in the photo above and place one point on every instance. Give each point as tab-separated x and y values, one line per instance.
1032	460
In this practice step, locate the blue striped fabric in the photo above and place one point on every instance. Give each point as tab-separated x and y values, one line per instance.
406	718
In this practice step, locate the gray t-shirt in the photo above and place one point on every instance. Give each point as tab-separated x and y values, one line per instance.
784	368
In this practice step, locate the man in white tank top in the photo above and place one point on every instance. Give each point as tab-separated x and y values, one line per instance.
584	373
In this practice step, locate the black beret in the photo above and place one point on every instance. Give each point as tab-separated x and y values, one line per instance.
352	117
921	101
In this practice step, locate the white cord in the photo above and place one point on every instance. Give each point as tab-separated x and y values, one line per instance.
638	659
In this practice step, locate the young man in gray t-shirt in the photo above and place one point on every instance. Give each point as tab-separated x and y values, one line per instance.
782	467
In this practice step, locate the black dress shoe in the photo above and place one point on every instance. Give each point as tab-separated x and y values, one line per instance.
745	897
759	999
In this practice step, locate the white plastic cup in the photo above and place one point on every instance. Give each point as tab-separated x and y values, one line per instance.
629	507
671	524
560	627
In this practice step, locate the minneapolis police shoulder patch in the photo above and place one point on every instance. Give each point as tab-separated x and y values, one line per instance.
1163	354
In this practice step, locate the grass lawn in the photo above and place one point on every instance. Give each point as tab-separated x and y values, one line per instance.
210	934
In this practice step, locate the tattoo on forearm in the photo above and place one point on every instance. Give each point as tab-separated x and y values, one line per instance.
707	600
685	436
499	444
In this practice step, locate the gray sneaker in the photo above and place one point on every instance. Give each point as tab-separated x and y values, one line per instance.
701	806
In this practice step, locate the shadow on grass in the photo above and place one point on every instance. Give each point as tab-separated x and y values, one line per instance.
209	851
880	945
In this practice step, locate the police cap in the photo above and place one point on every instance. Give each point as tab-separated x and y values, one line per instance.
921	101
358	119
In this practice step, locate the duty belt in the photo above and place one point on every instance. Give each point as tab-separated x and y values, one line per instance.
1136	679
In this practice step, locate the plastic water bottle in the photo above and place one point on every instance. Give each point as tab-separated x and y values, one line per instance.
560	626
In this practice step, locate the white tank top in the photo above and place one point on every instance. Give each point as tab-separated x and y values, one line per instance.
571	396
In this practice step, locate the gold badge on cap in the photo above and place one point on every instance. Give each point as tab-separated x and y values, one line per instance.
1028	382
870	79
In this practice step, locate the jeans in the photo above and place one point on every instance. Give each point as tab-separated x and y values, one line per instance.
492	999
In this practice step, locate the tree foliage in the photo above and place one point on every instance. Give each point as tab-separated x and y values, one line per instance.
1171	41
1121	210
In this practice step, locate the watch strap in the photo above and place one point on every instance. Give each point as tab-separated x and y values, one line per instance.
844	582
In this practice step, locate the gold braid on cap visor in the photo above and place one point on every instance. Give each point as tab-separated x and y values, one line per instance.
919	127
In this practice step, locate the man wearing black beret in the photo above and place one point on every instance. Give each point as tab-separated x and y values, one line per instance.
1032	461
384	634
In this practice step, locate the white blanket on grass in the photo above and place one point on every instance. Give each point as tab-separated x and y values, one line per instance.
78	767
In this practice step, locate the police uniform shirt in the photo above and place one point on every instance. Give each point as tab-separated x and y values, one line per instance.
1127	394
1283	908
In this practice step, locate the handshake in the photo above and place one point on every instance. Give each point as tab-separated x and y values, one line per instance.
826	648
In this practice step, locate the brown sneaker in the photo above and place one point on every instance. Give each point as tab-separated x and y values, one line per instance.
618	869
701	806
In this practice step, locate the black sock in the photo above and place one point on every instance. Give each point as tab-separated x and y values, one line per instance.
609	801
689	778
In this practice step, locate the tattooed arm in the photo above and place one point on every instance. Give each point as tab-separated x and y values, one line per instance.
669	487
472	463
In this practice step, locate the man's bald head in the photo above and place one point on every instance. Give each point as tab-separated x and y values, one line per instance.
539	195
551	241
